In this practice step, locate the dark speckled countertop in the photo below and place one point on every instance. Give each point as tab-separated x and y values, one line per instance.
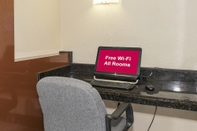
173	88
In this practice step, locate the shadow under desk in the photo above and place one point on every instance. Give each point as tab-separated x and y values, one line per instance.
173	88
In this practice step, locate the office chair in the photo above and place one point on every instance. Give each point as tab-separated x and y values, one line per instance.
69	104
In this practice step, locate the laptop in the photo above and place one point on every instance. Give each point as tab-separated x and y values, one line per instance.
117	67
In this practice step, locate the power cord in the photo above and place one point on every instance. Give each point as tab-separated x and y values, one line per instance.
151	73
143	77
153	118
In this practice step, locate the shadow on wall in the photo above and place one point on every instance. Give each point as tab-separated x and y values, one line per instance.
8	96
8	101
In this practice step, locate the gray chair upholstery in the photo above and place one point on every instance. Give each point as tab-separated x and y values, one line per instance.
70	104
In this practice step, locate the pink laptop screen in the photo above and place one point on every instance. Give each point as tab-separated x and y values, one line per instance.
121	61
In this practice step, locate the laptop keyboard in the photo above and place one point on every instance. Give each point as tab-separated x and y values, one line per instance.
108	84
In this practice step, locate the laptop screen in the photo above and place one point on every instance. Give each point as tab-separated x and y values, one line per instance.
116	62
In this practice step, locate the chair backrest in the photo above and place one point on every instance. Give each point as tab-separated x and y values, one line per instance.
70	104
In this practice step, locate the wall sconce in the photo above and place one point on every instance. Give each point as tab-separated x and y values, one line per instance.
106	1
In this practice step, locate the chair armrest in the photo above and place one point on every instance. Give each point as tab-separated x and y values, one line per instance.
119	111
117	114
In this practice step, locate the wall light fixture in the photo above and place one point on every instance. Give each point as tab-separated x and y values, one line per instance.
106	1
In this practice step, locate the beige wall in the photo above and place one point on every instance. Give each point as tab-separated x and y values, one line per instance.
37	28
166	119
165	29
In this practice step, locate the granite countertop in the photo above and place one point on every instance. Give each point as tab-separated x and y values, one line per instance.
173	88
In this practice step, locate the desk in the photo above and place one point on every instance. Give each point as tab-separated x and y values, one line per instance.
177	88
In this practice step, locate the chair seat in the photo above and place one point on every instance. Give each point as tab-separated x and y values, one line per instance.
70	104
